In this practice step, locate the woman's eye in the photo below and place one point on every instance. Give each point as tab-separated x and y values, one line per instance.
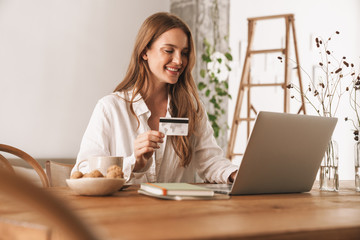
169	51
185	53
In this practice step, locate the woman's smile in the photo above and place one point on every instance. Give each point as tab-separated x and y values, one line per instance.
173	70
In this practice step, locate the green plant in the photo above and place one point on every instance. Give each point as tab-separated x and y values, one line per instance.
217	68
215	74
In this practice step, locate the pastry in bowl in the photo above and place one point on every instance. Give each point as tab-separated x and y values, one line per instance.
95	184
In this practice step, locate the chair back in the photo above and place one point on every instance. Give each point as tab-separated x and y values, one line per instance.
57	173
26	157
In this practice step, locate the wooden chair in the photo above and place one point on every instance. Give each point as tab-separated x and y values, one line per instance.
57	173
5	165
26	157
57	213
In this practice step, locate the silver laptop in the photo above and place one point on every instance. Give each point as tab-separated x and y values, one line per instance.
283	154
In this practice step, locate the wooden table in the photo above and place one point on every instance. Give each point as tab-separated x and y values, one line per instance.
128	215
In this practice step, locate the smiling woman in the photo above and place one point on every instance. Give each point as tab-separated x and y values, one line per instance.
158	84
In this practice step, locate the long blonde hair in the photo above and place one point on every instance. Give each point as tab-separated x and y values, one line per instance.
184	98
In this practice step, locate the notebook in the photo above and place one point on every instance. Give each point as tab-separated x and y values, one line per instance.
283	154
176	189
179	191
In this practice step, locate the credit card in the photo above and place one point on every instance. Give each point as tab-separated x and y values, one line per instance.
174	126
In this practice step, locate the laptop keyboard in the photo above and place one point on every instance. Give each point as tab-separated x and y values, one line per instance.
218	188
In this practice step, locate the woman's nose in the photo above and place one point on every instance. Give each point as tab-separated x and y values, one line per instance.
177	58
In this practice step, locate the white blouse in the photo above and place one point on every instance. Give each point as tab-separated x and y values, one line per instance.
113	128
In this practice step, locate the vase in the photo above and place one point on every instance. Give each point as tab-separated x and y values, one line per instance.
357	166
329	177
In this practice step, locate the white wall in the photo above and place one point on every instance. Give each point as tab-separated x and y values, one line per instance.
57	58
312	18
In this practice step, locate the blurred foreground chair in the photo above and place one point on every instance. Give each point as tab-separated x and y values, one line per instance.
51	207
26	157
5	165
57	173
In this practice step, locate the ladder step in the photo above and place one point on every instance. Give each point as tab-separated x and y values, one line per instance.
237	154
263	85
290	15
282	50
238	120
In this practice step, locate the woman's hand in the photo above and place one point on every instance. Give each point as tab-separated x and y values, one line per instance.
144	146
232	176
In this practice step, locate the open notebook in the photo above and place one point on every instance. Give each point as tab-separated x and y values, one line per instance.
283	154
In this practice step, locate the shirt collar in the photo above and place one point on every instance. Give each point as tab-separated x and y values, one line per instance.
140	106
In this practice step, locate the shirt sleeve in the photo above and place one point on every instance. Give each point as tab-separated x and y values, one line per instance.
129	164
211	164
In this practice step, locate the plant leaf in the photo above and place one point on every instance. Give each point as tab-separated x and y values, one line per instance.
228	67
220	92
228	56
205	58
202	73
212	117
207	93
201	86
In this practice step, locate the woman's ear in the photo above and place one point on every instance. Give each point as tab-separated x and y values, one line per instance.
144	55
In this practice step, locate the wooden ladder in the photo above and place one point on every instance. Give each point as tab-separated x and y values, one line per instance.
246	85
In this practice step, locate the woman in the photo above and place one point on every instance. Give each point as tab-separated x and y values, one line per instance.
158	83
